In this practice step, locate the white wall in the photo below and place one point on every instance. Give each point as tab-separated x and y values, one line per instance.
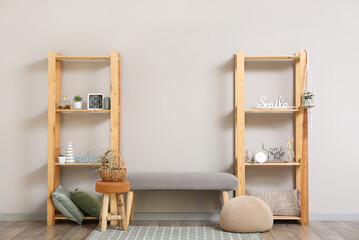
177	93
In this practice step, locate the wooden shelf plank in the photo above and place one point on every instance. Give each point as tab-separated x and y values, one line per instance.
286	218
82	110
60	216
64	58
77	164
273	164
272	57
271	110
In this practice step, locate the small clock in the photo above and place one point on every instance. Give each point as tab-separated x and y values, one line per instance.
261	156
94	101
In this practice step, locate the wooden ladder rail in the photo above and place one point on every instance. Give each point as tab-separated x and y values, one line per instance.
301	136
54	131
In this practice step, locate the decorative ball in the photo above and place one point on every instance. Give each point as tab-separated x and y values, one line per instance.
246	214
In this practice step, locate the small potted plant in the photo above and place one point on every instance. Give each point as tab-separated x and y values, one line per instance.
308	99
78	102
62	158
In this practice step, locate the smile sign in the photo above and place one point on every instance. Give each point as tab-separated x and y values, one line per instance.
277	104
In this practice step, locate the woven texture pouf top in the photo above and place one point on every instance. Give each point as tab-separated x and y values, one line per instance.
246	214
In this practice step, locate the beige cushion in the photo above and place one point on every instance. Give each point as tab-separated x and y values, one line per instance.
246	214
285	203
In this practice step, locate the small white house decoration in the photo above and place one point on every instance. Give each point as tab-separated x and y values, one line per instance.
277	104
69	153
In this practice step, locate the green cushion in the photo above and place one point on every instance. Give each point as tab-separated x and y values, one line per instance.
62	201
88	202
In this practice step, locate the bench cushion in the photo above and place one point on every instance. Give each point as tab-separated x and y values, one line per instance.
166	181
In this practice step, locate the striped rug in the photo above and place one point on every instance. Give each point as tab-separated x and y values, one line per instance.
171	233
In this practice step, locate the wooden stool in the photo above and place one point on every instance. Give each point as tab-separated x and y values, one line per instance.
117	188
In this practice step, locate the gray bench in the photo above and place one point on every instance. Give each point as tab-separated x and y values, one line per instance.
177	181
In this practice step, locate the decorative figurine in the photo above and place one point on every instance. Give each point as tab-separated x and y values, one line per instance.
290	149
69	153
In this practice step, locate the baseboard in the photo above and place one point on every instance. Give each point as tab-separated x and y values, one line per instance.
333	217
22	216
209	216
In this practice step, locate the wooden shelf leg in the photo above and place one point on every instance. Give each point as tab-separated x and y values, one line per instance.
304	174
52	137
239	122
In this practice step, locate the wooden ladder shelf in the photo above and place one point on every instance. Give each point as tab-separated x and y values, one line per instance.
54	122
301	128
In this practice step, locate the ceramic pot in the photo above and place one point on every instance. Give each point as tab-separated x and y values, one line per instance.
62	159
78	105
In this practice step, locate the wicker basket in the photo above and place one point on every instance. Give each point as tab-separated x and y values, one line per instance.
112	170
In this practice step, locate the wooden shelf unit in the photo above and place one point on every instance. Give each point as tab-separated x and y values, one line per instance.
286	218
54	121
82	110
62	217
77	164
83	58
301	128
271	111
273	164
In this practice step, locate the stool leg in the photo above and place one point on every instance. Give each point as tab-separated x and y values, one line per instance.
118	209
133	206
104	211
129	206
121	211
113	207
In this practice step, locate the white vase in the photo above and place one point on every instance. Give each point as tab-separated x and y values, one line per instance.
62	159
78	105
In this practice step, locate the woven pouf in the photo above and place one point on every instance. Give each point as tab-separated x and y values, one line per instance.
246	214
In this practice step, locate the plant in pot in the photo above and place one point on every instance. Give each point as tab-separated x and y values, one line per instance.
308	99
62	158
78	102
113	167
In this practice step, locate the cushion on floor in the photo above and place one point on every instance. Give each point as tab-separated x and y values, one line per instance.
63	202
284	203
246	214
154	181
87	202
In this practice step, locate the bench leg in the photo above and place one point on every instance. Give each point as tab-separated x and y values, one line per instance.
104	212
121	211
129	206
133	206
225	197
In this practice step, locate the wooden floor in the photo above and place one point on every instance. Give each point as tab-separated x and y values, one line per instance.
281	230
